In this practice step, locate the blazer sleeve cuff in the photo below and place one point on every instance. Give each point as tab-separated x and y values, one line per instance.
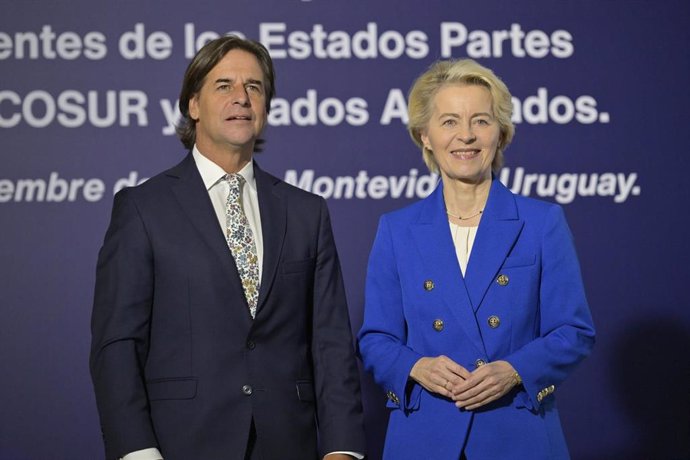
403	392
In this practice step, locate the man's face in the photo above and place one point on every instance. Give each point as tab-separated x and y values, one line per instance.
230	108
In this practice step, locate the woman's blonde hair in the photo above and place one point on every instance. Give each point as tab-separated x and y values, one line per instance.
458	71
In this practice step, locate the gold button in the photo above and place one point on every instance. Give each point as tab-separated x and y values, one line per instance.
428	285
392	396
502	280
540	396
494	321
438	325
552	389
479	363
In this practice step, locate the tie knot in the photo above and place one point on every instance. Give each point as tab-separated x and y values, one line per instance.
234	180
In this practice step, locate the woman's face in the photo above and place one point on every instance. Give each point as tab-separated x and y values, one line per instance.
462	132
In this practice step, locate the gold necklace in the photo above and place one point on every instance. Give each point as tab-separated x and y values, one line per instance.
464	218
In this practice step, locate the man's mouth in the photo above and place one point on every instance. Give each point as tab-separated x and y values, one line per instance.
239	118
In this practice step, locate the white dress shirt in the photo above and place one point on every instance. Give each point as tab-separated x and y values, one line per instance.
218	191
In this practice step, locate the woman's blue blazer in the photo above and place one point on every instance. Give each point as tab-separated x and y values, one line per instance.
523	272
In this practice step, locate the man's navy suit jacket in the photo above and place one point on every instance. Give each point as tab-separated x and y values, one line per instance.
176	360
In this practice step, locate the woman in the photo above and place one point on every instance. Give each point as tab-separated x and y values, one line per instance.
475	309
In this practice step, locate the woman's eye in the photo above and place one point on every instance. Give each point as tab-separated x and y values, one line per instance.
448	122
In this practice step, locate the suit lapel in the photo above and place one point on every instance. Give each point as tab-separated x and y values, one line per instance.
497	233
191	194
432	237
273	211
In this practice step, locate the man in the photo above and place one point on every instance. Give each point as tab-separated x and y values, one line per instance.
220	328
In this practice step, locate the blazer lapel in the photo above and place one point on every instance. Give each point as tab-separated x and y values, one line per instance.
273	210
498	230
432	237
191	194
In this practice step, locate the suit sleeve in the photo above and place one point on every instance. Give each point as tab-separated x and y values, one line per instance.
566	331
383	337
336	376
120	330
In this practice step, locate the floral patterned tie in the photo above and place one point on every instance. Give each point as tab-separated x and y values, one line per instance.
241	242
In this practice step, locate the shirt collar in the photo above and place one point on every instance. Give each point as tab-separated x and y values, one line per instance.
211	173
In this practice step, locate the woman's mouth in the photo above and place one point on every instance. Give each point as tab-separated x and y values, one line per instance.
465	154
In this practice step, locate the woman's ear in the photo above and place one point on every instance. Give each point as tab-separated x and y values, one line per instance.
425	140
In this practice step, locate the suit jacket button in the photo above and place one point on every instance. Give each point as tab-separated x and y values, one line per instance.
247	390
494	321
428	285
250	344
502	280
438	325
393	397
479	363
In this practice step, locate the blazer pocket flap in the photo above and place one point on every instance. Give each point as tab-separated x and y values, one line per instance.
519	261
171	389
297	266
305	391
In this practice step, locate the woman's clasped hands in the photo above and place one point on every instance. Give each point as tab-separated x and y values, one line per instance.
469	390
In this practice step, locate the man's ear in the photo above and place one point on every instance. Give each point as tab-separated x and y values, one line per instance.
194	107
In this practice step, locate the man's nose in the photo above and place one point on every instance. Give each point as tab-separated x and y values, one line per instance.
240	95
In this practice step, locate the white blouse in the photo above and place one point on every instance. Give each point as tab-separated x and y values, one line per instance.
463	239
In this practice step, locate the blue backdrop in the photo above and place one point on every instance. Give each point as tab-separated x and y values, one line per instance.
87	100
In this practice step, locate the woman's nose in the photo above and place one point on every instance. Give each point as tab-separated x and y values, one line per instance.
465	134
